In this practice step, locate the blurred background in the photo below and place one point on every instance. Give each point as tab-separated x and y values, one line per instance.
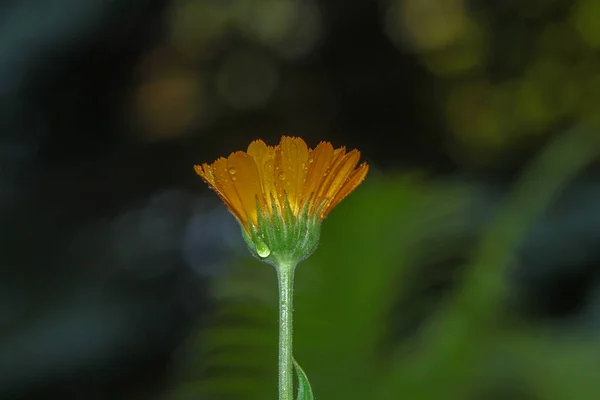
467	266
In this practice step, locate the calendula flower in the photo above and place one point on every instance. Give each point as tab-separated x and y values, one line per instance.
281	194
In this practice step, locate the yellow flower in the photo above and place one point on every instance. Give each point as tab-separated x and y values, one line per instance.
281	194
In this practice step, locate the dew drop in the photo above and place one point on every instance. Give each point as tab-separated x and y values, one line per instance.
282	177
262	250
310	160
233	177
232	170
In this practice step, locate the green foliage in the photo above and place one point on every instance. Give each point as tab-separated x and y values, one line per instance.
346	292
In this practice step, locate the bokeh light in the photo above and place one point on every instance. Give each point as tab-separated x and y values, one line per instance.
247	80
426	25
170	99
585	18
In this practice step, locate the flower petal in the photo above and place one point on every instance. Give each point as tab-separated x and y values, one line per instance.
264	158
269	177
294	160
326	177
244	174
353	181
319	163
337	176
223	185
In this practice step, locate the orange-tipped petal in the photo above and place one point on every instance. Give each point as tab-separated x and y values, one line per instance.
294	160
264	157
338	175
353	181
206	173
224	187
319	162
338	154
244	174
268	177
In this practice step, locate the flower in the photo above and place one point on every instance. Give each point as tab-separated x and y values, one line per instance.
281	194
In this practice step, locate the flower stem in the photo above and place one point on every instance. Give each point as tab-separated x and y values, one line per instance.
285	274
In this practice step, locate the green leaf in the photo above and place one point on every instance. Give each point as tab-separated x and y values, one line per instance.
304	389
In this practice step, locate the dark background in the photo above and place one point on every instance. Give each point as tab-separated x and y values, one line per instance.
109	241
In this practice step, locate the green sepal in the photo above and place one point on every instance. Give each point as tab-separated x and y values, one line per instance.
280	238
304	389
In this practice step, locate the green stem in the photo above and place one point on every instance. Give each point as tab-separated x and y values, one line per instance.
285	274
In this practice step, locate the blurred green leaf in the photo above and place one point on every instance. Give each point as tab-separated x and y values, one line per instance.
564	368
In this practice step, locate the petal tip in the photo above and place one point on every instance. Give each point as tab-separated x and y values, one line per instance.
201	170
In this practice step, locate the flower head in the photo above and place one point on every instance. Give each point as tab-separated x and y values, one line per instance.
281	194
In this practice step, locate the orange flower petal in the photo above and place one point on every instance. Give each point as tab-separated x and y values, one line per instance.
336	157
293	166
267	177
353	181
246	181
223	186
337	176
205	173
319	162
264	157
338	154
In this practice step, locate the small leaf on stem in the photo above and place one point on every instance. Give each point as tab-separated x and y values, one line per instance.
304	389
